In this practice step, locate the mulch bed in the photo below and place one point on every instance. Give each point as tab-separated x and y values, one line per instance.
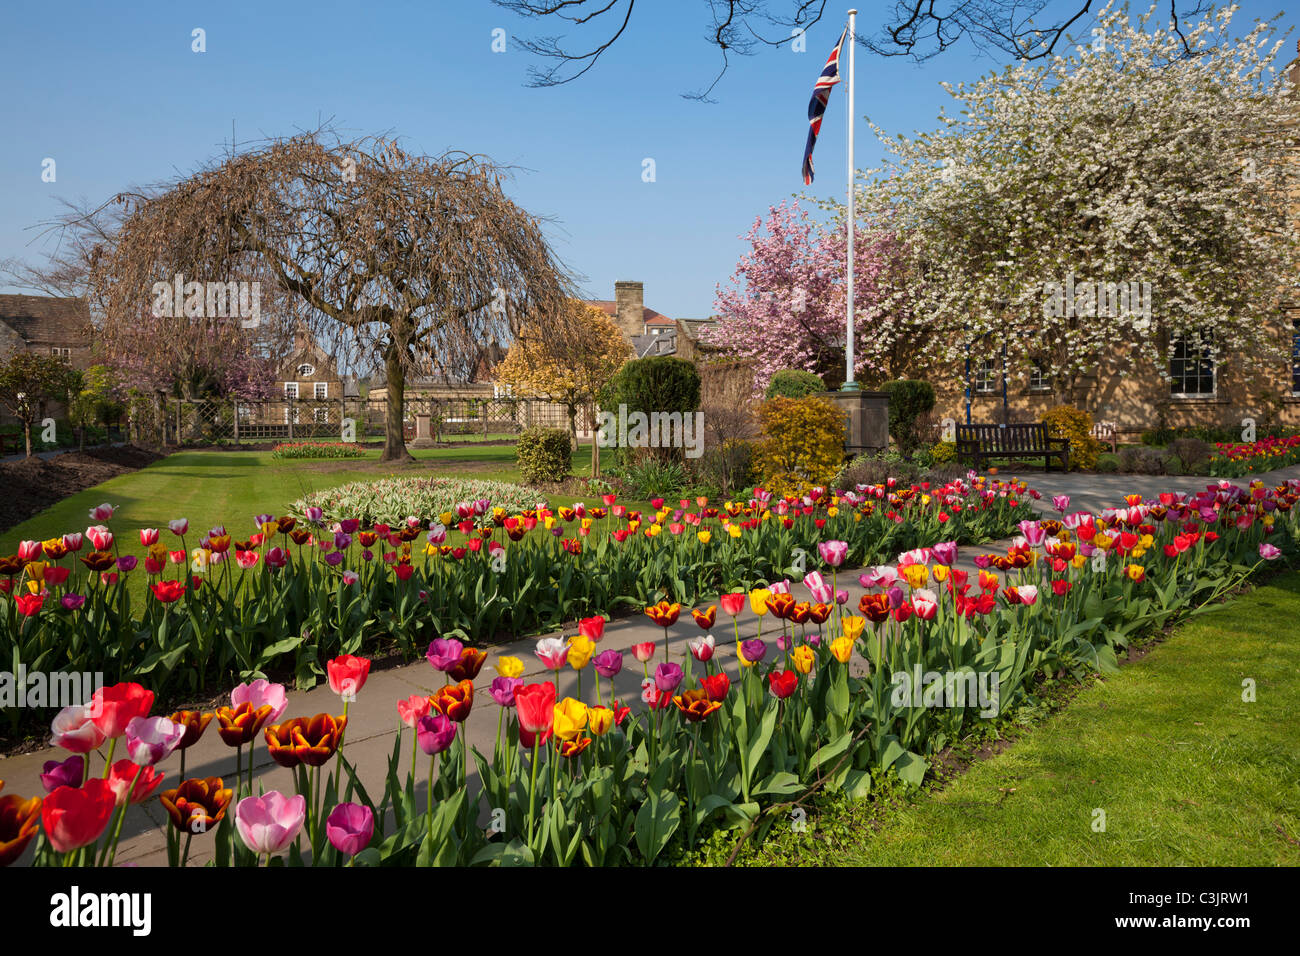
32	485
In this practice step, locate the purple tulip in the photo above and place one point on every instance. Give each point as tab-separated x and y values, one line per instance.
841	596
334	558
443	653
259	520
349	525
1269	552
608	663
895	595
66	773
151	739
342	539
434	733
503	690
72	601
127	562
753	650
667	677
349	828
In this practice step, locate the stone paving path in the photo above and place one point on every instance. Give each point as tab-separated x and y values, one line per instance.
373	720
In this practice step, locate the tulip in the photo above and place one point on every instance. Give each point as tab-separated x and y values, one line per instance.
413	708
696	705
664	614
803	658
944	554
112	708
168	591
706	618
260	692
782	683
305	740
102	512
132	783
149	740
29	551
75	816
716	685
643	652
148	537
269	823
817	587
63	773
733	604
552	652
833	552
668	677
592	628
29	605
349	828
20	821
599	720
74	729
347	675
752	651
580	650
842	648
925	603
535	707
100	537
1269	552
702	648
503	690
569	719
443	653
508	666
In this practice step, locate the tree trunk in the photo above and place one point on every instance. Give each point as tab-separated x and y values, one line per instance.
573	426
595	445
27	434
394	436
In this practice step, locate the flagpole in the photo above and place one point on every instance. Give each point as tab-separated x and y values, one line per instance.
850	385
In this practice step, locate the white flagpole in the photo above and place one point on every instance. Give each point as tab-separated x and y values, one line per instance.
850	385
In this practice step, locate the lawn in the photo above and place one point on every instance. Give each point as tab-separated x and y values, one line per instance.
230	487
1186	772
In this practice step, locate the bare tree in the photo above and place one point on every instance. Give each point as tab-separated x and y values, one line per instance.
414	262
920	29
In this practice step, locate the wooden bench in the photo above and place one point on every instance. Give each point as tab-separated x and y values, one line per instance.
1104	432
980	443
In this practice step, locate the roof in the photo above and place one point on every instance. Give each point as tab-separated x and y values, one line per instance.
610	308
46	318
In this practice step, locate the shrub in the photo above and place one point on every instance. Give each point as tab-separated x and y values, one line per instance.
1191	453
728	465
660	383
792	383
544	454
802	443
944	451
315	449
909	400
1108	463
1066	421
876	469
649	477
1142	461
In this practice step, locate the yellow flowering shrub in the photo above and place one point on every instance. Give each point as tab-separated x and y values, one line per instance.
1066	421
802	443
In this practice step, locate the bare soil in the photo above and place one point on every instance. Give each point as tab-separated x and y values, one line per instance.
33	484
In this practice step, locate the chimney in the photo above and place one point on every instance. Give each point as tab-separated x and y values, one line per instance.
629	304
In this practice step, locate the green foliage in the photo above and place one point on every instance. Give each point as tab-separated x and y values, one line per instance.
792	383
802	443
728	465
648	477
910	401
660	383
544	454
1066	421
944	451
315	449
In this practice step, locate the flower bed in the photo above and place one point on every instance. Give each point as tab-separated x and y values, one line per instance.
586	780
297	592
315	449
1236	460
393	500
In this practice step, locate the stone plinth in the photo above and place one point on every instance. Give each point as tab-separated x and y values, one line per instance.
423	431
866	420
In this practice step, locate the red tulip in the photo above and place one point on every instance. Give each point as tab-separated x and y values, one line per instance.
782	683
168	591
733	604
29	604
75	816
112	708
706	618
122	778
592	628
347	675
716	686
535	705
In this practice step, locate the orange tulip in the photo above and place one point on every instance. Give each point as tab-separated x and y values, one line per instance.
706	618
305	740
239	725
196	806
663	613
454	700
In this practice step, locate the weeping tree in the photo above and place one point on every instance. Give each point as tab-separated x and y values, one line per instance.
412	262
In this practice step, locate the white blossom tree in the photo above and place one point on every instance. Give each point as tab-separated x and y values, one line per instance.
1126	161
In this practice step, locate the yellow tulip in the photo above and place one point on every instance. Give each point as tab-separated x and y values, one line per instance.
633	525
580	651
704	536
1078	561
599	720
734	530
445	517
269	530
803	658
915	574
654	529
758	600
842	648
570	718
852	626
940	573
832	511
508	666
202	558
548	523
36	570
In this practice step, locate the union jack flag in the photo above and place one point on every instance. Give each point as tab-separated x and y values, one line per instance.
817	105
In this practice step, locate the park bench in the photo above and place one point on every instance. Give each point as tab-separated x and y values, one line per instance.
981	443
1104	432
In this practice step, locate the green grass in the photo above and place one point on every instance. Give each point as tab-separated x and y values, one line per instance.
1185	771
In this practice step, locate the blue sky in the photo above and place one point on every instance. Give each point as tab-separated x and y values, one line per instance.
113	93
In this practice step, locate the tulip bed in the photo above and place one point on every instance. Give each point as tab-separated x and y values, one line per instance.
585	780
1268	454
298	592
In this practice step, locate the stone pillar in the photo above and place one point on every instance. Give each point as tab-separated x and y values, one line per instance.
423	431
866	420
629	305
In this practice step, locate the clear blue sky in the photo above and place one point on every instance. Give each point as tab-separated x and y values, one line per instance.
113	93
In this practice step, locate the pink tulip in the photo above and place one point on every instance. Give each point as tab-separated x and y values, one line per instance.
702	648
73	540
833	552
412	709
149	740
349	828
29	550
259	692
74	730
925	603
102	512
552	652
100	537
1268	551
944	553
179	526
148	537
269	823
817	586
1028	594
643	652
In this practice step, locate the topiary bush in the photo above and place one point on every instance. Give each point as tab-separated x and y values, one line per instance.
802	443
543	454
792	383
660	383
909	400
1066	421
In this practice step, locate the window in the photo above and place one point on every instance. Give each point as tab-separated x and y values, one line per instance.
291	390
986	371
1191	365
322	390
1038	376
287	411
321	416
62	353
1295	357
306	370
